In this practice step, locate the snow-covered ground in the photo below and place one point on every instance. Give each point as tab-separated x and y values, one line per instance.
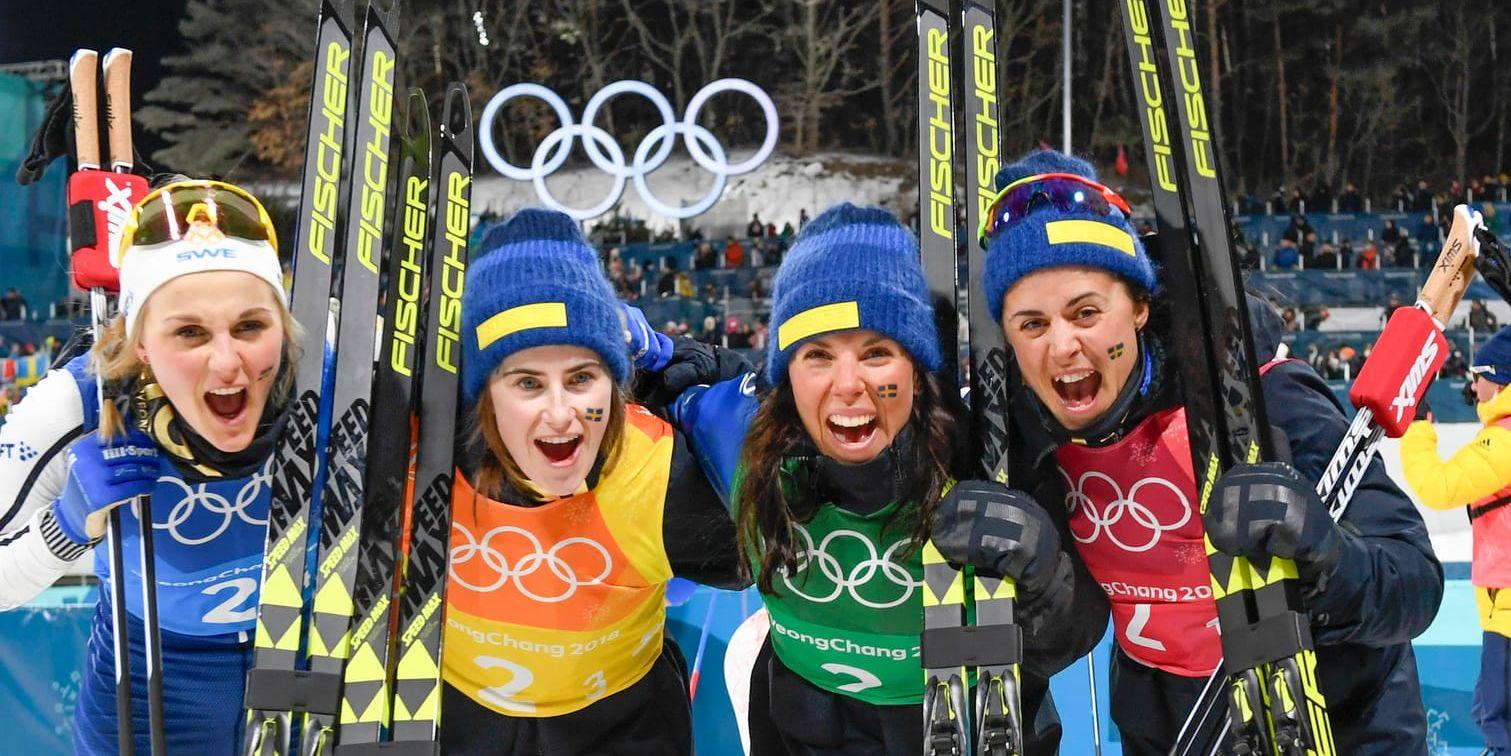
778	190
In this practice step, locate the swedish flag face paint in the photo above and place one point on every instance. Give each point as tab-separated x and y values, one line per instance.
853	391
548	407
1069	328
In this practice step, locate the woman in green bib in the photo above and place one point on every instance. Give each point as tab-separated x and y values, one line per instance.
844	460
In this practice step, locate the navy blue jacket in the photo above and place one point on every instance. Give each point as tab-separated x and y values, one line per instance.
1385	591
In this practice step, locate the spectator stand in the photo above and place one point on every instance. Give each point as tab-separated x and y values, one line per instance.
1421	230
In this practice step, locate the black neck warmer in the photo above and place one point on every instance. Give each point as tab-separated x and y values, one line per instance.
866	487
147	409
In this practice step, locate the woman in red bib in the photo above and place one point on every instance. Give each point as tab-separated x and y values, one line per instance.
1105	446
580	509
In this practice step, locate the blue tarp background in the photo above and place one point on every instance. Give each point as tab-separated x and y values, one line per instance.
33	249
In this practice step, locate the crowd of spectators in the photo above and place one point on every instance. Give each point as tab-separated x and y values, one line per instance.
1394	246
1341	361
1414	243
1422	197
762	247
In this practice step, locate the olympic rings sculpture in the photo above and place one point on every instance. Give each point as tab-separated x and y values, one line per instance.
650	154
1103	521
528	564
860	574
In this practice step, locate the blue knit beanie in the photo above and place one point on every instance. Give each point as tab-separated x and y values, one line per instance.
1049	237
1496	355
851	267
536	283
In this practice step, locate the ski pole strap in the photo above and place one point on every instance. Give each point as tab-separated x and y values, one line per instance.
81	228
293	690
1480	511
985	645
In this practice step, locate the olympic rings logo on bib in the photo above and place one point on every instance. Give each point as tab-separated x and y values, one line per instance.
560	569
1146	527
199	496
860	576
650	154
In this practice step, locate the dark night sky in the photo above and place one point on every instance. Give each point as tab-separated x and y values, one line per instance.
52	29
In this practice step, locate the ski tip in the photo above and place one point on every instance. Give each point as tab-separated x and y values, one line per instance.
417	113
388	17
456	116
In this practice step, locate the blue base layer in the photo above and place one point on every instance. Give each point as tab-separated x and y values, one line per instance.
42	645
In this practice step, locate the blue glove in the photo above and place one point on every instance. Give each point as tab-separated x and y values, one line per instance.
101	477
1268	510
649	348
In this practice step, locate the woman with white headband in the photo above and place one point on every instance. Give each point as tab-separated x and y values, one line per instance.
195	375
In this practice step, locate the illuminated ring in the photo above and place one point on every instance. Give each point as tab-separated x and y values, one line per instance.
511	92
617	168
564	134
768	108
691	133
650	154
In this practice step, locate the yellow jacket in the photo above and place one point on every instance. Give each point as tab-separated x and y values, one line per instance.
1477	472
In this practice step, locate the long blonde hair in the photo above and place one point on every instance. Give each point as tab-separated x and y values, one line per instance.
114	359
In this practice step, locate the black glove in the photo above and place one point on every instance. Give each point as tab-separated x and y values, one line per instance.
1268	510
693	363
1493	263
50	140
1001	532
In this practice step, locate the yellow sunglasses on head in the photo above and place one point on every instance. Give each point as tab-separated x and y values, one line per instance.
200	207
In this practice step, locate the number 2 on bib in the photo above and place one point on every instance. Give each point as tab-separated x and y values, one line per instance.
503	695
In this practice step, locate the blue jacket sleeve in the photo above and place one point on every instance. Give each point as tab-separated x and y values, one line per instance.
1388	584
714	420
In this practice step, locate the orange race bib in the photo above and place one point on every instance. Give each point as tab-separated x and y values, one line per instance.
553	607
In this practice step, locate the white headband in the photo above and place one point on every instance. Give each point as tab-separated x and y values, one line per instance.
145	268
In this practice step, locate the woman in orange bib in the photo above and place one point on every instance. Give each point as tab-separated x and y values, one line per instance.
566	530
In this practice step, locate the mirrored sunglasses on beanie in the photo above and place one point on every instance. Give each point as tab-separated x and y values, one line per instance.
199	210
1066	192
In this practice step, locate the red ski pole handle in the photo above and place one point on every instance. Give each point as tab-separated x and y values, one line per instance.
100	202
1399	370
1412	348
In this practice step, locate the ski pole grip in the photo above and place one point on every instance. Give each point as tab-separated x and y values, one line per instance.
1454	268
118	107
1399	370
83	81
